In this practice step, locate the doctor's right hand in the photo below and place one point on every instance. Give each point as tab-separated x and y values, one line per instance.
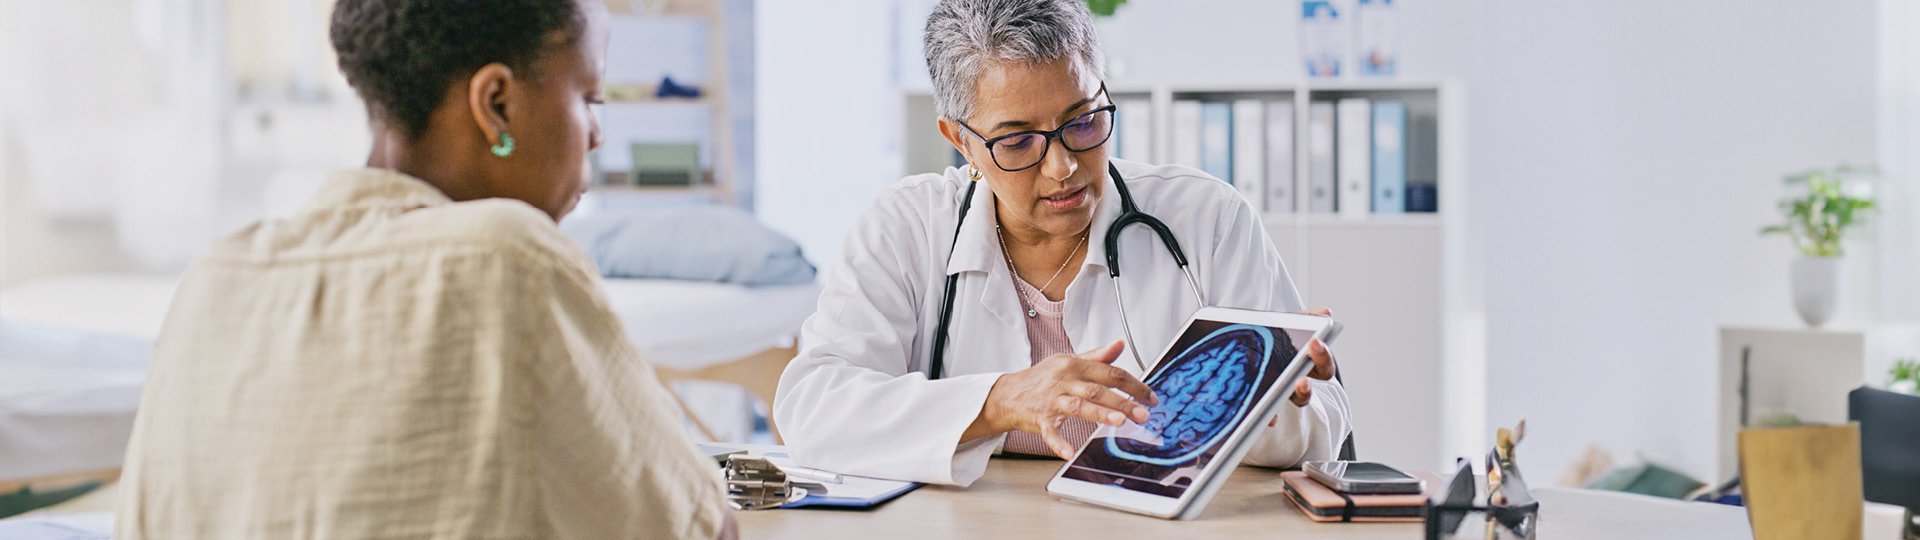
1038	399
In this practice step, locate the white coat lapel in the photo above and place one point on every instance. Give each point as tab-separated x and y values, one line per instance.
989	329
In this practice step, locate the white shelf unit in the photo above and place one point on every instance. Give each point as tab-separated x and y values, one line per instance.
719	145
1413	352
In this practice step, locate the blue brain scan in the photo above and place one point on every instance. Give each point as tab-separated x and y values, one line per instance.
1209	381
1206	389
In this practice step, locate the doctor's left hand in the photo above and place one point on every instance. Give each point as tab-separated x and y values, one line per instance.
1323	366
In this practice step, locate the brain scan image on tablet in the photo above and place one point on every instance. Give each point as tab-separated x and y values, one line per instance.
1209	381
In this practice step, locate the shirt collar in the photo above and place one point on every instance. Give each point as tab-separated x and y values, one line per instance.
977	248
374	188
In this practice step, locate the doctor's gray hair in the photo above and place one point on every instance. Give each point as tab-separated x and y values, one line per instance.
963	36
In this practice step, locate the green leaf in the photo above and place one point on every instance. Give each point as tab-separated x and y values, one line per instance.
1906	369
1818	220
1104	8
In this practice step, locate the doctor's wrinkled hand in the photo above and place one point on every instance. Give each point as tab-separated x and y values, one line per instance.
1040	398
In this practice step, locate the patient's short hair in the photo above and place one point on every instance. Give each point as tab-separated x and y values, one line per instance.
400	55
962	36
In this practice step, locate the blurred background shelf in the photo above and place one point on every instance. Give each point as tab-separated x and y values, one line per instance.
704	45
1294	219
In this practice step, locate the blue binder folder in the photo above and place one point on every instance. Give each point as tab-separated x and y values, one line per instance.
1389	157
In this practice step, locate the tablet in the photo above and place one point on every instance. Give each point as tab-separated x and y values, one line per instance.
1217	382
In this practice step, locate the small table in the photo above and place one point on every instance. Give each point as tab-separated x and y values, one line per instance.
1011	501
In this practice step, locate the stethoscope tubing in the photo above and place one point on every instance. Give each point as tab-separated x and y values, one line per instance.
1130	214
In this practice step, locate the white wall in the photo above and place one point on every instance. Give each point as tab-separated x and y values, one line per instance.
827	113
1232	41
133	139
1900	155
106	114
1624	155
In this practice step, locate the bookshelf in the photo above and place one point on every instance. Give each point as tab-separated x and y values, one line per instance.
631	102
1413	350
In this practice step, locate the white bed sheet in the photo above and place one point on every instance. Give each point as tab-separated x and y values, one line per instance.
120	304
687	325
677	324
73	360
67	402
79	526
67	399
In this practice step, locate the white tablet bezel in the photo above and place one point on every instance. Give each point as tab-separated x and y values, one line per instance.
1234	450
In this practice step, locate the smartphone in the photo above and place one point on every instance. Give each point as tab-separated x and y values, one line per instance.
1363	477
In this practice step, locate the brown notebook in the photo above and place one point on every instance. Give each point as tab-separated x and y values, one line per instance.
1321	503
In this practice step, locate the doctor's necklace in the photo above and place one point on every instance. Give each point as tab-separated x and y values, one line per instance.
1002	236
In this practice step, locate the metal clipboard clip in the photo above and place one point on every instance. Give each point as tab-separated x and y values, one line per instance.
753	483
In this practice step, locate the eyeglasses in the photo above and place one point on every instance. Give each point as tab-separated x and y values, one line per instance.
1023	150
1510	513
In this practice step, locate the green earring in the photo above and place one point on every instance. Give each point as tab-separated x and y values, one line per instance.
505	148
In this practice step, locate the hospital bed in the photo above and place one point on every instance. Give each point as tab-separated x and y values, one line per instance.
67	401
713	332
73	356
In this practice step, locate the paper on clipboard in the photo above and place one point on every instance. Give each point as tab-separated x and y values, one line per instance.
851	492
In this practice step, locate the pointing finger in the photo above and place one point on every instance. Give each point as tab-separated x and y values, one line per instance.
1107	354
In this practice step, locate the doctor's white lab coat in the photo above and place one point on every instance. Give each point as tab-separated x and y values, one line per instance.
857	400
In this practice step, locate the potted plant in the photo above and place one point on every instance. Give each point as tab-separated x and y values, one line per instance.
1906	376
1817	220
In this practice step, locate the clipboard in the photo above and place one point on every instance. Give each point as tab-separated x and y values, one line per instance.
813	499
853	492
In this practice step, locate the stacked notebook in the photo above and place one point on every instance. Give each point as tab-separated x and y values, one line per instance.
1322	503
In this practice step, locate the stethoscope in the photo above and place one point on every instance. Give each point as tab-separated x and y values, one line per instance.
1130	214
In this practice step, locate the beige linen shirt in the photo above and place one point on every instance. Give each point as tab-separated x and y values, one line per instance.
391	364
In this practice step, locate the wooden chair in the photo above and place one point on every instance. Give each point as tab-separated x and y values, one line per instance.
758	373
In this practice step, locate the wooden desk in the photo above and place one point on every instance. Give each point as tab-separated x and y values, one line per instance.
1011	501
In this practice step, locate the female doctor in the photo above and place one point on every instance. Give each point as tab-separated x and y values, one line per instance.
1018	89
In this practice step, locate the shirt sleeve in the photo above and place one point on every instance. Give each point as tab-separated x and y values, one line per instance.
1248	268
851	401
610	453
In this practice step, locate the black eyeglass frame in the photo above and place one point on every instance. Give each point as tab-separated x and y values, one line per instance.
1047	137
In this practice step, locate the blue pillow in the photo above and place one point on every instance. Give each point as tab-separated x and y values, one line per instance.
698	243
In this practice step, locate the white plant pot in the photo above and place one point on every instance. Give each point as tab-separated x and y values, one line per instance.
1816	288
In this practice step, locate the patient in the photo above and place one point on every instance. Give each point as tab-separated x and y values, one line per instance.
419	353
